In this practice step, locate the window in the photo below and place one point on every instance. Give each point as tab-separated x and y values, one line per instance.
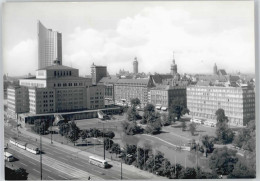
54	73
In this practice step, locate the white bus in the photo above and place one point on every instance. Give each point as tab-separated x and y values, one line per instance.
32	149
98	161
8	156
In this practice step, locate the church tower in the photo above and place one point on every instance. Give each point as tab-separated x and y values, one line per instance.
215	69
135	66
173	66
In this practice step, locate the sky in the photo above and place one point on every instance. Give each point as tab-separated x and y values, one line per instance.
112	34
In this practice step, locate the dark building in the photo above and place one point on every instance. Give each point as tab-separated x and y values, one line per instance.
97	73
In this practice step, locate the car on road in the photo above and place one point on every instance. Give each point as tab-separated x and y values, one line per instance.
197	121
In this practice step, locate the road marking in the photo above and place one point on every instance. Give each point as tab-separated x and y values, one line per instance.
51	178
62	177
49	153
23	164
77	164
36	170
64	159
32	163
47	170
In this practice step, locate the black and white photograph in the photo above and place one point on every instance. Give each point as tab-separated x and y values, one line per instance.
129	90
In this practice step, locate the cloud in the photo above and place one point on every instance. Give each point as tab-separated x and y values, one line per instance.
22	58
152	36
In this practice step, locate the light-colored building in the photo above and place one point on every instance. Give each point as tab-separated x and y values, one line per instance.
59	88
237	102
127	89
162	96
49	46
17	101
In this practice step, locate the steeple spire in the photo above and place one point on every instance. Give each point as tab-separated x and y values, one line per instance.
173	58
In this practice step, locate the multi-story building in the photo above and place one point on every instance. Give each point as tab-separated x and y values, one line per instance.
49	46
237	102
58	88
162	96
127	89
97	73
17	100
109	83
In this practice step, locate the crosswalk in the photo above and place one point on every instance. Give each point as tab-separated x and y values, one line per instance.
64	168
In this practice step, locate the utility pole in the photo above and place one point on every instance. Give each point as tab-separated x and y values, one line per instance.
175	164
41	154
104	143
121	170
51	132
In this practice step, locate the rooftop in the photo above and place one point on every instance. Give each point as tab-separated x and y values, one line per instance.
57	67
133	81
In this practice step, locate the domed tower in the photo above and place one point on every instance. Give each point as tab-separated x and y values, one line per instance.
135	66
215	69
173	66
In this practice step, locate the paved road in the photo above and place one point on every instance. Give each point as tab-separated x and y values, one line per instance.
63	164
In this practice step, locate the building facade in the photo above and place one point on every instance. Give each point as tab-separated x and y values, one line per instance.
17	101
97	73
49	46
58	88
237	102
127	89
163	95
109	86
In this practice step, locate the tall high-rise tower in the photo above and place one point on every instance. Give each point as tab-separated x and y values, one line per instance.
173	66
215	69
135	66
97	73
49	47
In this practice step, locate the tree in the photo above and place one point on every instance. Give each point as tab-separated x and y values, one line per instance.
109	134
74	132
116	148
40	126
192	128
132	114
222	160
246	137
188	173
63	129
135	102
154	127
129	154
224	134
131	128
165	119
221	117
108	143
18	174
149	110
178	108
241	170
183	125
208	143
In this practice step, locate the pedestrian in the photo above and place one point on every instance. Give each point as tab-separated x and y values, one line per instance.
111	157
36	139
88	177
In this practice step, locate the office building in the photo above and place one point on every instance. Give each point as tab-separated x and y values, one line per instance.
162	96
127	89
17	101
58	88
49	46
97	73
237	102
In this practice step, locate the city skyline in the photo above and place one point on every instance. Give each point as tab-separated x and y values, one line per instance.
199	38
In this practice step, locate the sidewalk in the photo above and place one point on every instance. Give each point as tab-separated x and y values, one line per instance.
86	155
